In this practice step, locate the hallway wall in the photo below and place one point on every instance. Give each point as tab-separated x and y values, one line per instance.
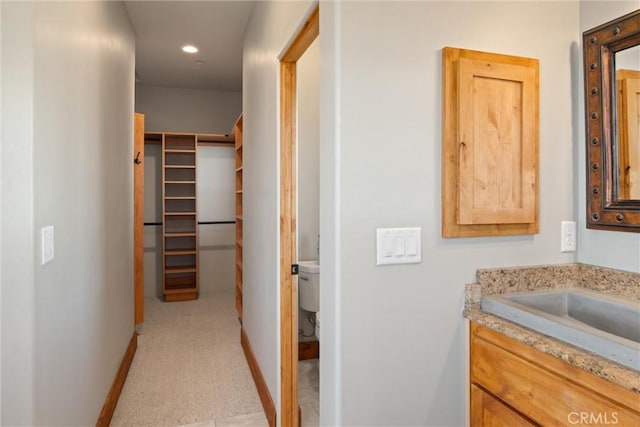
397	331
269	30
18	259
71	319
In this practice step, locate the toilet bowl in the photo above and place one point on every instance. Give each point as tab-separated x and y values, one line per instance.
309	286
309	290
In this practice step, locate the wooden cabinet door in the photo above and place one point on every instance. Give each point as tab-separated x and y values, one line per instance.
498	142
487	411
489	144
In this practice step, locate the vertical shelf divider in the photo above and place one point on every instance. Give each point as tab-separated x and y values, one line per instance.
239	217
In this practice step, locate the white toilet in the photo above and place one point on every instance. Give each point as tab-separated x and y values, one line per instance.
309	290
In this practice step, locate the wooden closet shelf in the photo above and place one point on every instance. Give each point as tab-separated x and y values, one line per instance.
179	234
178	289
179	166
180	269
239	217
180	198
180	252
239	192
239	169
179	213
180	150
212	138
179	182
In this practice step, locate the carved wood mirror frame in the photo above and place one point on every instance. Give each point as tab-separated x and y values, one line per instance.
605	210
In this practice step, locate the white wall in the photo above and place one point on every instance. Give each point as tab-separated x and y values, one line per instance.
1	138
18	306
393	342
152	213
71	89
216	202
308	149
400	345
270	28
188	110
605	248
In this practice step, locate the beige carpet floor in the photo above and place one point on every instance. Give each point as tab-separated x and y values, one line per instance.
189	367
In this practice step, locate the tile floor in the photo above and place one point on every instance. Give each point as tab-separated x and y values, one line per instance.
309	392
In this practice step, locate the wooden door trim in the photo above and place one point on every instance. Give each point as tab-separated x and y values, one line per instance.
138	218
288	222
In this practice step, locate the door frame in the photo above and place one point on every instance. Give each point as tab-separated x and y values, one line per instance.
138	218
305	36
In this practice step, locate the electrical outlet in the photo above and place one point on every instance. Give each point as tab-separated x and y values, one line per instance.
568	236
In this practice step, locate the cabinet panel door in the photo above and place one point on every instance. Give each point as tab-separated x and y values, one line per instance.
498	142
487	411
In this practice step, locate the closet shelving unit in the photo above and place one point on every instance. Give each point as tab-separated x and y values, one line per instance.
179	209
238	145
179	217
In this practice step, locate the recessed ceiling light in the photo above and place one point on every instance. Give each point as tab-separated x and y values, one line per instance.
189	49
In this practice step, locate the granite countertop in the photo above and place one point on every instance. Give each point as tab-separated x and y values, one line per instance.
523	279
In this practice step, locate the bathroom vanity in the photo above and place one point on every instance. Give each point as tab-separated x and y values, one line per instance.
518	385
520	377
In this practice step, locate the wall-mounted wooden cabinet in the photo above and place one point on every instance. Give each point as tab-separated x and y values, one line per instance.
490	144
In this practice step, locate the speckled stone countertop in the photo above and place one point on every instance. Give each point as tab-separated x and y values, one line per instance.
536	278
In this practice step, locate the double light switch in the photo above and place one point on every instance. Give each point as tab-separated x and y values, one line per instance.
398	246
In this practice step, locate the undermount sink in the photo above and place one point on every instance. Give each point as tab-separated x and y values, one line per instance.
605	325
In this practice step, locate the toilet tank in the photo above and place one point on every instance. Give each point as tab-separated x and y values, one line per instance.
309	285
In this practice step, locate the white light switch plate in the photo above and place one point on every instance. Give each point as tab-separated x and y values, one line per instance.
47	244
398	246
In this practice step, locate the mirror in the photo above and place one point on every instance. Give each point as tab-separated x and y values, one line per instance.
612	109
627	120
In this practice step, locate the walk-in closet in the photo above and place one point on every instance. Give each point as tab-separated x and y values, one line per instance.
189	214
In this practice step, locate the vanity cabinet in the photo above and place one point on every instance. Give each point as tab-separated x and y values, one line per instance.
514	384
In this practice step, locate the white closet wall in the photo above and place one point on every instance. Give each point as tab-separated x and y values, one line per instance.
172	109
215	191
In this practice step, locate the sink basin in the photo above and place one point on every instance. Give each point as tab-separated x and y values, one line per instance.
605	325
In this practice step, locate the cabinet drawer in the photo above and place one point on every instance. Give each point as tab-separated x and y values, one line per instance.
549	395
487	411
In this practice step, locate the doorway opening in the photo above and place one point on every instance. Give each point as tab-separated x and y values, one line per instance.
290	415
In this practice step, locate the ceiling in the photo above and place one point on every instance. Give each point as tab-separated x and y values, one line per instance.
215	27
